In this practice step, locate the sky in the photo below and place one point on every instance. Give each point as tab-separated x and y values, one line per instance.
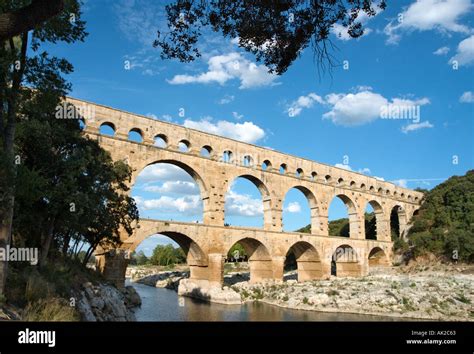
417	54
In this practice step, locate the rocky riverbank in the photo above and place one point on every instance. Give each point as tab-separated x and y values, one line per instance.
102	302
418	291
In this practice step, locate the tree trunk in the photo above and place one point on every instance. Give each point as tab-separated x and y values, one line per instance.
5	236
46	243
29	17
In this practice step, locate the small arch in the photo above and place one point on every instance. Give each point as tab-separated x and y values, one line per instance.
380	190
227	156
305	258
184	145
387	191
402	195
259	259
416	199
314	176
327	178
283	168
266	165
344	262
340	181
352	184
206	151
372	189
160	140
135	135
299	173
107	128
377	257
247	161
409	197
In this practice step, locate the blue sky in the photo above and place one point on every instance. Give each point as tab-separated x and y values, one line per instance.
424	61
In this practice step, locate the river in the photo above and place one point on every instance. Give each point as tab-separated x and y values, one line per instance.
160	304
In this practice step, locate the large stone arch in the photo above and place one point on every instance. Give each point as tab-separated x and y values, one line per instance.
265	194
352	212
308	260
316	224
380	219
398	211
259	257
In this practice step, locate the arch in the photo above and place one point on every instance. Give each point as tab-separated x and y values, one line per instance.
398	222
283	168
107	128
206	151
327	178
135	135
260	261
195	256
352	184
314	176
345	262
184	145
377	257
160	140
299	173
374	226
372	189
197	177
380	190
307	259
387	191
353	222
340	181
363	187
227	156
265	197
247	161
266	165
313	207
82	124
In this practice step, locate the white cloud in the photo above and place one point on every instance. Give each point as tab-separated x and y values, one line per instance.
467	97
465	52
222	68
226	99
416	126
189	205
363	107
308	101
242	205
247	131
364	170
165	117
401	182
162	173
341	32
178	187
293	207
441	51
343	166
237	115
424	15
379	178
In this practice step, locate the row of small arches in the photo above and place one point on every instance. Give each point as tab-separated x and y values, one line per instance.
161	141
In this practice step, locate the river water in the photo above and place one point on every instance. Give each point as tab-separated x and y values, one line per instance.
160	304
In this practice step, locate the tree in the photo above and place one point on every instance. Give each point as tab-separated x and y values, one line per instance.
275	31
167	255
19	73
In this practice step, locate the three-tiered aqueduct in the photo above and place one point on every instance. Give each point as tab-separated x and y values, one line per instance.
274	173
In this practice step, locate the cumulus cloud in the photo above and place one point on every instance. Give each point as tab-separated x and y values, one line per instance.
237	115
441	51
226	99
293	207
242	205
416	126
302	102
363	170
222	68
359	107
465	52
163	173
467	97
424	15
247	131
177	187
188	205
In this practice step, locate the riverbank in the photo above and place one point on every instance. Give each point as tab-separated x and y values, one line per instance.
419	291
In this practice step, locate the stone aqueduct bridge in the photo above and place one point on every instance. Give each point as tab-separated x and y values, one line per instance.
274	174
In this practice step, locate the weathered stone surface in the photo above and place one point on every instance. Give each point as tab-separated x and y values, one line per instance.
204	291
103	302
207	244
